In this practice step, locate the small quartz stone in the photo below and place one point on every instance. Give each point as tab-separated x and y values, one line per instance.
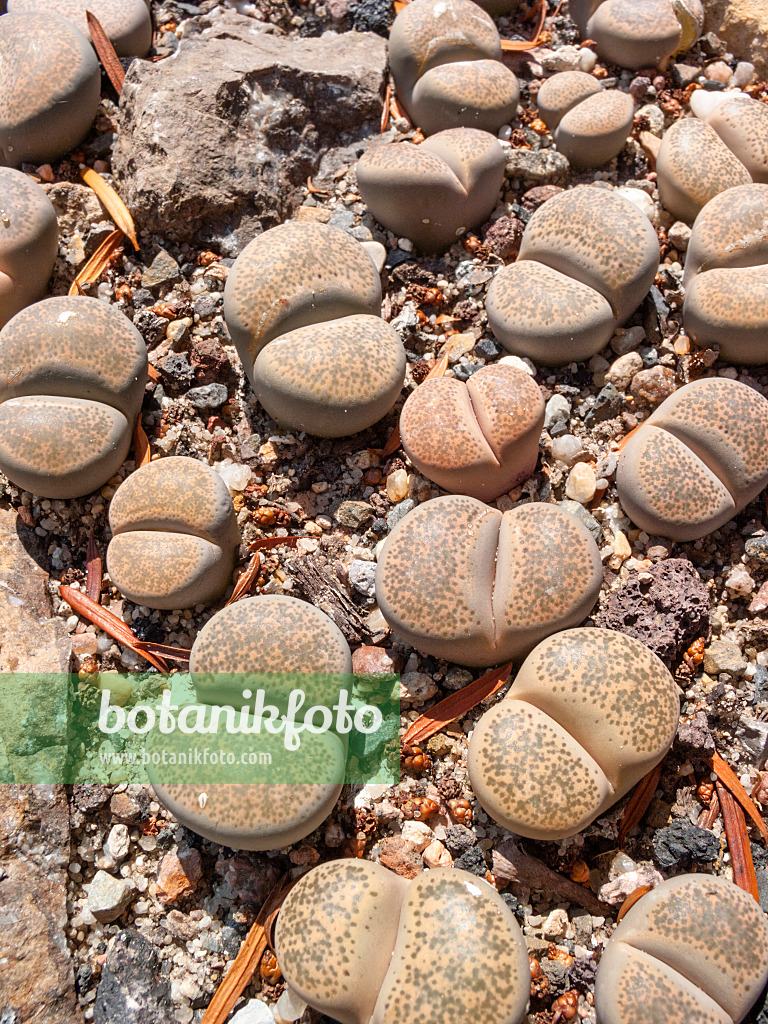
581	482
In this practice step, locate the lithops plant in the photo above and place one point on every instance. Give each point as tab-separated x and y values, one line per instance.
319	357
278	643
639	33
434	192
72	376
445	57
592	705
29	240
693	166
587	259
726	275
174	534
127	23
479	437
364	946
694	950
49	87
699	459
462	581
742	124
589	125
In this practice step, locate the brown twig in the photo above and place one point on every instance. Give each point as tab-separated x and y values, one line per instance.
141	453
708	818
520	46
632	899
111	202
164	651
263	543
247	960
246	581
93	570
385	112
639	802
738	841
513	865
106	52
456	705
98	263
730	780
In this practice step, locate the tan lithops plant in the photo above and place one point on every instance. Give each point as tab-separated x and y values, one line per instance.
742	124
445	57
72	376
639	33
127	23
726	275
278	643
693	166
462	581
364	946
49	87
694	950
480	437
29	241
587	259
589	125
594	706
174	534
699	459
434	192
302	304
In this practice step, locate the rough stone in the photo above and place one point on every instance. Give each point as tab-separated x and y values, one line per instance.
653	385
237	96
362	576
108	897
743	25
542	166
724	656
37	982
459	839
400	856
666	608
163	270
473	861
353	514
134	987
681	843
209	396
178	875
694	738
131	805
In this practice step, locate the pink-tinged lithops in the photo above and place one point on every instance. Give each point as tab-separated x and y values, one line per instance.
638	33
592	704
127	23
49	87
480	437
462	581
699	459
302	304
694	950
364	946
29	239
693	166
445	57
72	376
174	534
434	192
589	125
742	124
275	643
726	275
587	259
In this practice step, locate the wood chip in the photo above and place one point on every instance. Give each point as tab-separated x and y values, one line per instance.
106	52
246	581
521	45
319	587
313	191
111	202
729	779
385	112
455	706
632	899
513	865
247	960
98	263
738	841
164	651
153	373
93	571
141	453
264	543
639	802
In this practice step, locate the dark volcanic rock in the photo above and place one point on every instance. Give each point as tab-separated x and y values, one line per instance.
216	142
132	989
666	613
681	843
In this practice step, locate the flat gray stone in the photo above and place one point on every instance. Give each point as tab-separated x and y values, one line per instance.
108	897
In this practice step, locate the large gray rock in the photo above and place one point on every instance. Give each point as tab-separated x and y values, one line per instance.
220	139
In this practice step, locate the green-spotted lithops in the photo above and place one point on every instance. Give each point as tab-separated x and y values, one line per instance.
174	534
72	376
638	33
699	459
302	304
49	87
277	644
480	437
594	706
127	23
694	950
364	946
726	275
589	125
29	239
587	259
445	57
434	192
462	581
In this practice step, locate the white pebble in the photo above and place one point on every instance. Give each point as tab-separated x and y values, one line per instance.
581	483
